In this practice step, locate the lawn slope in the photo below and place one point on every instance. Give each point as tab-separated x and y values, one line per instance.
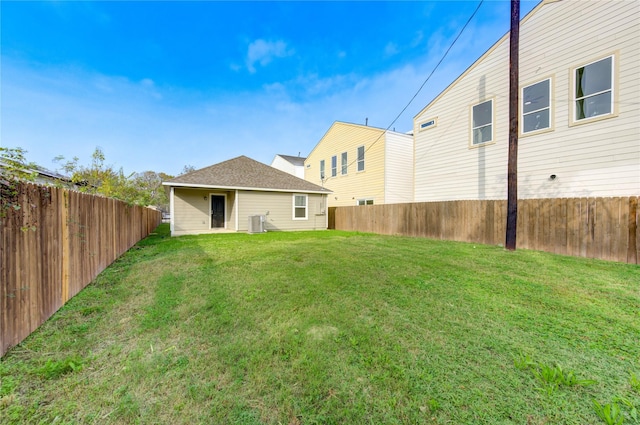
334	328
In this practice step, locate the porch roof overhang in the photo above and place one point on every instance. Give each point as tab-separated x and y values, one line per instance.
257	189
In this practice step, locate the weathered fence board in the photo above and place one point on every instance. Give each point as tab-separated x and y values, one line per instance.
54	246
605	228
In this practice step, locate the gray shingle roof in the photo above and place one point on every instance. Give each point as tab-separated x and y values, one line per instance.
245	173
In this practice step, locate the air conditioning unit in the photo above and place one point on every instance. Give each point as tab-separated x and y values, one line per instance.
256	224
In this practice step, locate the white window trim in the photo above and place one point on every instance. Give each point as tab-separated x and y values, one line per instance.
364	152
493	124
344	163
365	201
306	206
521	117
323	169
614	92
334	170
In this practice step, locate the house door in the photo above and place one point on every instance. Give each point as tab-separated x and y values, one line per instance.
217	211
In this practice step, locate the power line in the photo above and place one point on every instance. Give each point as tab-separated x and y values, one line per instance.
437	65
422	85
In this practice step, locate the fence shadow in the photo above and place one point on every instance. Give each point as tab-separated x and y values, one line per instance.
53	246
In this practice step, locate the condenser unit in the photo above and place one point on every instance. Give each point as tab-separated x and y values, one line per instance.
256	224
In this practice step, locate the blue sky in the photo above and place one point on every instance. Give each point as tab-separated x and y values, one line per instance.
161	85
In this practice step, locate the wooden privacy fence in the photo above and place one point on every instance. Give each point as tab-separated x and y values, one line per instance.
54	246
605	228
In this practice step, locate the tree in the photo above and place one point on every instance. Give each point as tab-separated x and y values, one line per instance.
149	187
13	169
136	188
97	178
188	169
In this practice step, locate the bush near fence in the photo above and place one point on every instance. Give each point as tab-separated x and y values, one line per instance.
605	228
55	245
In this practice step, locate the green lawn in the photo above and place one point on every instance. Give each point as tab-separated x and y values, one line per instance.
334	328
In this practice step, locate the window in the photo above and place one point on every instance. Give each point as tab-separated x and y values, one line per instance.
334	166
322	169
536	107
299	207
360	158
365	201
482	122
426	125
593	89
343	163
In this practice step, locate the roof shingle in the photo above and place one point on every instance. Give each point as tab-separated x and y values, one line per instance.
245	173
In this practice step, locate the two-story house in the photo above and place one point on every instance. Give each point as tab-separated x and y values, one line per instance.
362	165
579	113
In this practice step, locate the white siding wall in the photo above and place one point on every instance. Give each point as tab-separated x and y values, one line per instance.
599	158
278	209
299	171
398	169
284	165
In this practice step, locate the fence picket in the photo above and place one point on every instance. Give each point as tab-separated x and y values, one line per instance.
605	228
54	246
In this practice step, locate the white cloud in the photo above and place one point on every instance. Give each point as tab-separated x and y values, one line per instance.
391	49
149	86
417	39
262	52
53	111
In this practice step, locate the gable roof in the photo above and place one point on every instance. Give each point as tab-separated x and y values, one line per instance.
345	124
359	127
294	160
245	173
503	39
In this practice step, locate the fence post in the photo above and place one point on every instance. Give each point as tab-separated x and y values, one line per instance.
632	250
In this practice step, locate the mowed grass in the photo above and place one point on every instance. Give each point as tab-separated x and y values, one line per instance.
334	328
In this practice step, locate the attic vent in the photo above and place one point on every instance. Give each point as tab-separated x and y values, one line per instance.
428	124
256	224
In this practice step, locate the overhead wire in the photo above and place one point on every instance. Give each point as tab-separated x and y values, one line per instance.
419	89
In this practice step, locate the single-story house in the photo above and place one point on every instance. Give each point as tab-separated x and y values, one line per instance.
242	194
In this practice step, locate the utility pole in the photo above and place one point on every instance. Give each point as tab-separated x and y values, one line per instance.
512	168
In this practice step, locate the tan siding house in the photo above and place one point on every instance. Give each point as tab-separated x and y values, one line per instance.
579	111
362	165
222	197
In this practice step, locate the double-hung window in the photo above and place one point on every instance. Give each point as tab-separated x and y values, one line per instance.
360	158
482	122
299	207
593	89
343	163
334	166
536	107
322	169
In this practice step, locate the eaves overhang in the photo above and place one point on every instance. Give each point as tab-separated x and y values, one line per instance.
259	189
